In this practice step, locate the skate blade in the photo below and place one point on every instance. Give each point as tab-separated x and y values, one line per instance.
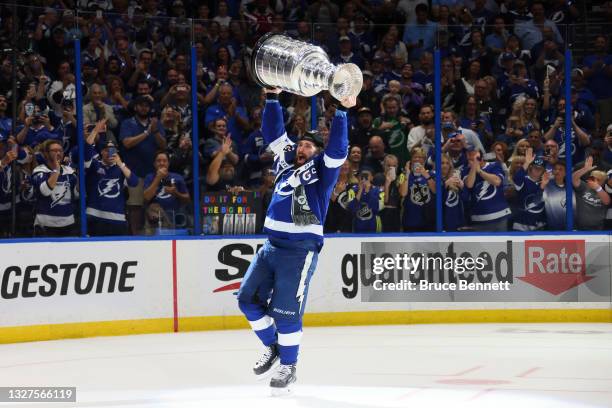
282	392
268	373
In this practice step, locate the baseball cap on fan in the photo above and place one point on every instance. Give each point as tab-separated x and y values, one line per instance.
538	161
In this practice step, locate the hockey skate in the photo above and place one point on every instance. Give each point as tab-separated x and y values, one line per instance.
281	382
266	363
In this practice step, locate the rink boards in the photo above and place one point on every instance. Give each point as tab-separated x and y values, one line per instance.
64	289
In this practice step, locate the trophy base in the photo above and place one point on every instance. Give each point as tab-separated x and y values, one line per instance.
346	81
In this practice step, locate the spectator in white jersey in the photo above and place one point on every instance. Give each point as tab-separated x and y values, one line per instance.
56	188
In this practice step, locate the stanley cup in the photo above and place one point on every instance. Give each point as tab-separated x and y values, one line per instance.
278	61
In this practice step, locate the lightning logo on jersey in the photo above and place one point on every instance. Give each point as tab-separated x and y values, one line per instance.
109	188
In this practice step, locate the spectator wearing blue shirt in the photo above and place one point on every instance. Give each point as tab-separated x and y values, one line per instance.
598	73
417	191
380	76
579	138
347	55
554	197
484	181
530	32
106	179
227	108
165	192
7	156
496	41
421	36
255	154
141	136
6	123
477	123
36	130
212	146
425	74
528	183
607	155
519	84
366	205
454	196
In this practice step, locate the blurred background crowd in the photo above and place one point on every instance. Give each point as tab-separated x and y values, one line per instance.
503	119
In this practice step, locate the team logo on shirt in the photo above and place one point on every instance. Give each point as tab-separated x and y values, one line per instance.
486	191
397	139
6	181
534	204
420	194
163	194
365	213
452	199
306	174
301	213
109	188
59	195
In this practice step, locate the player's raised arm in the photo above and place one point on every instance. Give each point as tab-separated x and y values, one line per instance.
272	123
337	147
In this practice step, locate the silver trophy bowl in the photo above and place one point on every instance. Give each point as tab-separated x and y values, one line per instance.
278	61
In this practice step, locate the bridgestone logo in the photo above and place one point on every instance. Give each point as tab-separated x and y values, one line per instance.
60	280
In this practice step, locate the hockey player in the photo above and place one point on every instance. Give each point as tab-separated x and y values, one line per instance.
274	289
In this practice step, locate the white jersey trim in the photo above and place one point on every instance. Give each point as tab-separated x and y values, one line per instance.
292	228
45	189
107	215
333	163
262	323
491	216
302	286
53	221
289	339
279	144
524	227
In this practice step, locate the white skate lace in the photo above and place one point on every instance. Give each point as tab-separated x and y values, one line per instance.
283	371
265	357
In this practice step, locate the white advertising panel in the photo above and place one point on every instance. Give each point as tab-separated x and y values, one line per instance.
69	282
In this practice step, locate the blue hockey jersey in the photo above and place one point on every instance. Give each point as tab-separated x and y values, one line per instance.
6	192
417	207
301	195
105	188
555	197
55	207
530	214
365	210
578	151
454	208
487	202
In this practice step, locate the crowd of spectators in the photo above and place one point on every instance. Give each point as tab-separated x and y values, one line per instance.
503	112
